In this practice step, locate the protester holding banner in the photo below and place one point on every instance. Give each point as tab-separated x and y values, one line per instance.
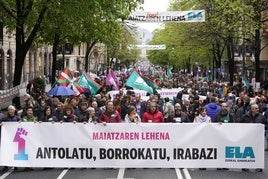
179	115
132	115
224	116
202	116
30	117
10	117
98	110
91	118
253	116
82	113
69	115
48	117
153	115
110	115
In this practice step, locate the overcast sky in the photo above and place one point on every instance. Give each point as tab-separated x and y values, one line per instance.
153	6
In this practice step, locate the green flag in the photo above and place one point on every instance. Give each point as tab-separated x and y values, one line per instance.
137	82
169	73
151	84
87	82
246	82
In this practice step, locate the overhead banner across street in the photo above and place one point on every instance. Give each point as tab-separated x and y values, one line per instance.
131	145
147	47
169	16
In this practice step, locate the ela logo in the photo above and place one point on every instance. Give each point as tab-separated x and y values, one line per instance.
21	155
237	152
194	15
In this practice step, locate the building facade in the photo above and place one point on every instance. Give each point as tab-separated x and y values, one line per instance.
38	62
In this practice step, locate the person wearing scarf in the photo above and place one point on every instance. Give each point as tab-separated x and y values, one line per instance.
132	115
69	115
202	117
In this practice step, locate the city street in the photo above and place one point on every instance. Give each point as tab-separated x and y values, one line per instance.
41	173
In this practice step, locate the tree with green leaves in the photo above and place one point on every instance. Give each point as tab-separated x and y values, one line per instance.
67	21
17	15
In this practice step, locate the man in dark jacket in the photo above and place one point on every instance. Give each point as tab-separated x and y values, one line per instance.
10	117
224	116
253	116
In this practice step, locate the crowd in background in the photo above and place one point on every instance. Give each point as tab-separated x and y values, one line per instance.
223	104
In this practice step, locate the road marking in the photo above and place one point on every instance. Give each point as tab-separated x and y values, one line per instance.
121	173
178	172
186	173
62	174
6	174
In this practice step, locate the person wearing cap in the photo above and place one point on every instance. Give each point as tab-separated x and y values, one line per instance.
10	117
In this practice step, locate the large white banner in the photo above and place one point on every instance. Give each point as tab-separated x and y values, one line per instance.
168	16
132	145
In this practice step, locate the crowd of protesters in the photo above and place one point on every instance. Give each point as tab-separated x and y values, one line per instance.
223	104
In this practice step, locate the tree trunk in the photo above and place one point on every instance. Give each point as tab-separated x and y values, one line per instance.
88	49
23	46
257	51
230	56
54	57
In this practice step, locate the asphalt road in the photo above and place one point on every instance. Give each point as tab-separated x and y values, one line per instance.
78	173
